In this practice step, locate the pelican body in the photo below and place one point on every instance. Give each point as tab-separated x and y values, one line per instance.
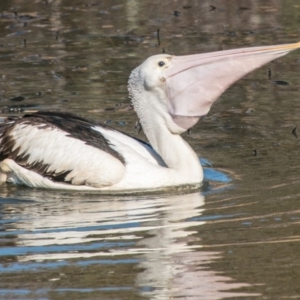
169	94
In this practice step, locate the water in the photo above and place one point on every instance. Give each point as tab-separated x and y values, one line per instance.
237	238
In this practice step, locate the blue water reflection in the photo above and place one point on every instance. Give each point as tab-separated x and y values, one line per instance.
154	234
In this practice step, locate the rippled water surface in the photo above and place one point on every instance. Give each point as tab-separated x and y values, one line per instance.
237	238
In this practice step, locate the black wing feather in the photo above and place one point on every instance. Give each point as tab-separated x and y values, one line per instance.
76	127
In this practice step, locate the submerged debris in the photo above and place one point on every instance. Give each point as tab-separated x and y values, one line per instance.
17	99
158	37
269	74
280	82
294	131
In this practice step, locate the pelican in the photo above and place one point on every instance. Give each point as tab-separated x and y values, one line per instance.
169	94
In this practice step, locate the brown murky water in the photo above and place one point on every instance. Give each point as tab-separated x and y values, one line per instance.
239	238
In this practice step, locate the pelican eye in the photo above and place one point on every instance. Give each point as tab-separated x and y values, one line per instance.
161	63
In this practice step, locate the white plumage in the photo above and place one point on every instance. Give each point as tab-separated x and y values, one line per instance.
169	94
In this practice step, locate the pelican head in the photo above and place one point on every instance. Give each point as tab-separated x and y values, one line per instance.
178	90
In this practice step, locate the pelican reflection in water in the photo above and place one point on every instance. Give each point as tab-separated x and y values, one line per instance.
159	236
